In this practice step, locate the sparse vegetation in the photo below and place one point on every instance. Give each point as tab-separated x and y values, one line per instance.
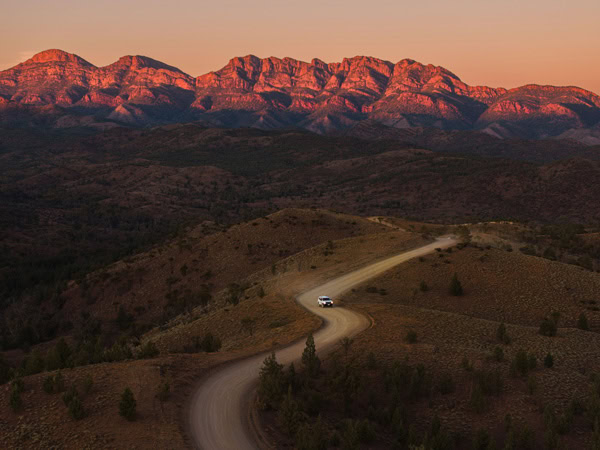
411	337
128	405
456	288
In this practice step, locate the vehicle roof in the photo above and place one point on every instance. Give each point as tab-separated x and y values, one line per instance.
323	297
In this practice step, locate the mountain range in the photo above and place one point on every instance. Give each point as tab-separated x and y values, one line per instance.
60	89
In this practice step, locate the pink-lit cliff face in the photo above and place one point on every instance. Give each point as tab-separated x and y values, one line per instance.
509	44
273	92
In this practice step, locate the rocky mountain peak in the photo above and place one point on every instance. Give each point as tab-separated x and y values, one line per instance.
55	55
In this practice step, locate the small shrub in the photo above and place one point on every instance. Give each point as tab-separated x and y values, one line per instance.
18	384
88	382
456	288
48	385
59	382
531	385
372	290
549	361
521	362
366	432
478	401
127	405
499	354
69	395
210	343
411	337
466	364
423	286
76	410
148	350
163	391
582	322
15	399
502	335
446	384
548	328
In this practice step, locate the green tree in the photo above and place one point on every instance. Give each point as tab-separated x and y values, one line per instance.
127	405
311	361
289	413
312	437
456	288
270	382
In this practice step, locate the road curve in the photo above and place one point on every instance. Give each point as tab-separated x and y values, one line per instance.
220	405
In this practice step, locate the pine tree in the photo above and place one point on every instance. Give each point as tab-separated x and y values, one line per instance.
309	357
270	382
289	413
127	405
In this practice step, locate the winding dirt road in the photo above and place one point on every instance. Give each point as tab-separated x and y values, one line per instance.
220	406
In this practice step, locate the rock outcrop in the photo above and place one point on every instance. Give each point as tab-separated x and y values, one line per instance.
273	92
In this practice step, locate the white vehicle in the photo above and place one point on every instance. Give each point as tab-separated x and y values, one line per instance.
325	301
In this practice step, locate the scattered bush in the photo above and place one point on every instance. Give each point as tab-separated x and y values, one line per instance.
127	405
59	382
48	385
148	350
446	384
15	401
208	343
423	286
498	354
88	382
502	335
411	337
69	395
456	288
75	406
582	322
549	361
548	327
523	363
163	391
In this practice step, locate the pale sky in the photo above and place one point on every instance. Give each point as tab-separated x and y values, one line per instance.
499	43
